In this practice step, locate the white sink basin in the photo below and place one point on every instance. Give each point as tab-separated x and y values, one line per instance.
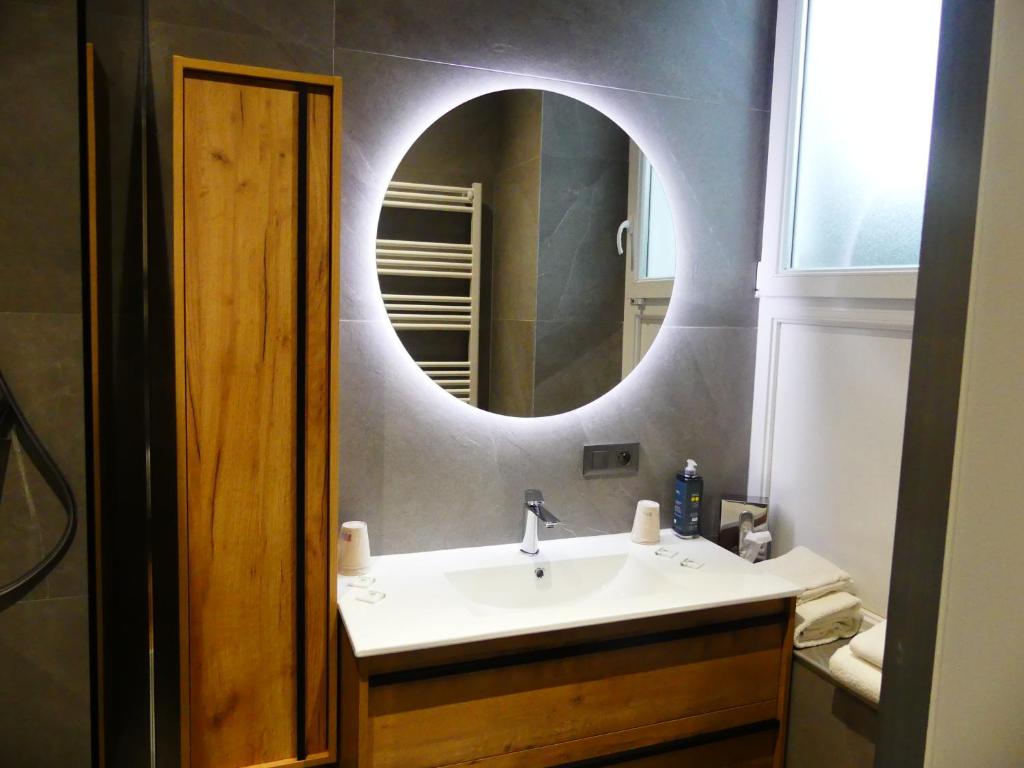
541	582
455	596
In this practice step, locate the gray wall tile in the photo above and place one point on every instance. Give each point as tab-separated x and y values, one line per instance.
21	541
710	157
44	643
428	472
695	49
44	699
41	357
39	208
450	475
364	380
303	23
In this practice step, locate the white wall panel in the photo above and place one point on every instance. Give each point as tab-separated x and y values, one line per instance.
828	433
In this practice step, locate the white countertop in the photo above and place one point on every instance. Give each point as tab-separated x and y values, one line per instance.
453	596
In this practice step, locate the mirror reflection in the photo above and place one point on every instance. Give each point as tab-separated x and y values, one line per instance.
525	252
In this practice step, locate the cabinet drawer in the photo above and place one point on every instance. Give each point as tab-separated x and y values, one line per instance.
752	750
449	716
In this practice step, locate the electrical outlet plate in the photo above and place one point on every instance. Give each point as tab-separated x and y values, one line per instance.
611	459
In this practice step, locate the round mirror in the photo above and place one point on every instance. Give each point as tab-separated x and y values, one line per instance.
525	252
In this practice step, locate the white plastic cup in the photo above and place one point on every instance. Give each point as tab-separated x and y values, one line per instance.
647	522
355	548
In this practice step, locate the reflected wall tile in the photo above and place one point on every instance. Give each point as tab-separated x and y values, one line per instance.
717	51
575	362
522	123
584	193
45	695
514	267
460	148
513	345
39	184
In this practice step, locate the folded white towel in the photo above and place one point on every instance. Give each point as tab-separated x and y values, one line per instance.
827	619
812	573
855	673
870	645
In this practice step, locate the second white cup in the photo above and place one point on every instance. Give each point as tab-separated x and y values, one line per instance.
646	523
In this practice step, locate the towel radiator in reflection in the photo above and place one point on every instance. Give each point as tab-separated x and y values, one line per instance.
432	263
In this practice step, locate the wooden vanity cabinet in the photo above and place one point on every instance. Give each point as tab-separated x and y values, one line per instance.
256	209
705	688
752	748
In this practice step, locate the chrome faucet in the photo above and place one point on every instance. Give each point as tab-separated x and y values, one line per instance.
534	510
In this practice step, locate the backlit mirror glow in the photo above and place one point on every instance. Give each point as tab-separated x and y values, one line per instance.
525	253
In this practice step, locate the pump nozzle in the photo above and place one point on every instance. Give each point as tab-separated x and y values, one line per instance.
691	468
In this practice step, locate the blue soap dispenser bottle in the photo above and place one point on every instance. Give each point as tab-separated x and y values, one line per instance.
686	508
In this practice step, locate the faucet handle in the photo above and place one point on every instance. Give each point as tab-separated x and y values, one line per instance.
534	502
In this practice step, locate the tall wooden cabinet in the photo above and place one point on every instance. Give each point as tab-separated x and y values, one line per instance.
256	207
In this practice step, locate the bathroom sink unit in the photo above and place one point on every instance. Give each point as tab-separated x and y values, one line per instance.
595	648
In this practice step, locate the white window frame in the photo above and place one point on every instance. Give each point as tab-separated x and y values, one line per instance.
645	298
774	277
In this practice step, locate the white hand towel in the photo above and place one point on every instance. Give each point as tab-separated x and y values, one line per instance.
827	619
870	645
856	674
813	573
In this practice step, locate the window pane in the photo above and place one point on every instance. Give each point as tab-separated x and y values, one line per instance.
660	258
865	127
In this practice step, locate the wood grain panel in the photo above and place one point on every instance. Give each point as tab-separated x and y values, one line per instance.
256	389
592	747
356	748
785	676
95	402
317	414
428	722
753	750
240	169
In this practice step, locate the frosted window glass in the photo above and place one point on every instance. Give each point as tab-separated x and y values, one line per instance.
865	128
660	261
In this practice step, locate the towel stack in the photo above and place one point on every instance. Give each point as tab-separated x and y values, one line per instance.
825	610
859	664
